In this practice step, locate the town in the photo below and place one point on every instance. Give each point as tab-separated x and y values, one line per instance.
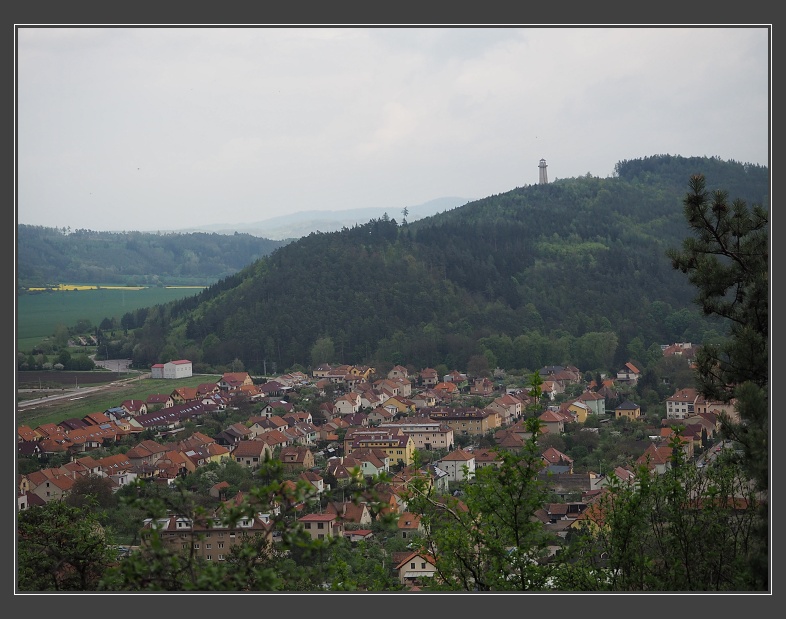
401	426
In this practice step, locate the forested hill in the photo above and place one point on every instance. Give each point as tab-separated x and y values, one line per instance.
573	271
47	256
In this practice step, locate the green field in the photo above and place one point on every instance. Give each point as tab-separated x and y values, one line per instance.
37	315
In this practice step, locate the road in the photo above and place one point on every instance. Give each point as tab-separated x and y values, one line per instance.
116	365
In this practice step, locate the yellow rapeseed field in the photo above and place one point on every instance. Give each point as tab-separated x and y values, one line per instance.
64	287
60	287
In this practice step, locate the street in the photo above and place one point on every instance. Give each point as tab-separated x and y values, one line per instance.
115	365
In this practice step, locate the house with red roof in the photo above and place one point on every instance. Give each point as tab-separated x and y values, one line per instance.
429	377
358	535
252	453
416	567
398	371
595	402
350	512
409	525
230	381
553	421
296	458
556	461
629	374
134	407
156	401
321	526
657	458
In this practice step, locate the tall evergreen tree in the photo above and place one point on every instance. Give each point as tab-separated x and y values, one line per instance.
727	259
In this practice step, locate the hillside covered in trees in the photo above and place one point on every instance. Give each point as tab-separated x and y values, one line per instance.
48	256
575	271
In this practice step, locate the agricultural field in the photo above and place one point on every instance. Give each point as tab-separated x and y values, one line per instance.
59	379
38	314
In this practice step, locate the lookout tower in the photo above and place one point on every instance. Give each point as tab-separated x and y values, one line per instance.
544	179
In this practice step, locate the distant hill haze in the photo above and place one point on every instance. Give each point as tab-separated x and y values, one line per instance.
200	255
303	223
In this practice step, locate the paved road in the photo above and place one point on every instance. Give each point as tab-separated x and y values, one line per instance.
70	394
116	365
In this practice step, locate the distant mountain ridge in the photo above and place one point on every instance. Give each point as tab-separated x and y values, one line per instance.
303	223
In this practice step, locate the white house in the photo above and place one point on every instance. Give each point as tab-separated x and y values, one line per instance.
181	368
454	465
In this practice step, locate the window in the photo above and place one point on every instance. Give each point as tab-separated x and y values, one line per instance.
320	525
196	545
220	544
208	546
321	536
220	557
412	565
208	557
423	565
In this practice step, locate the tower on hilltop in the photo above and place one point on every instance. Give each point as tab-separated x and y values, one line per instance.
544	179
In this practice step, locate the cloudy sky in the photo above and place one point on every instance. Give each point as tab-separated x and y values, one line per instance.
142	128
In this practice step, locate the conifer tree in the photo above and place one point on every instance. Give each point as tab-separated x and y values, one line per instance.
727	259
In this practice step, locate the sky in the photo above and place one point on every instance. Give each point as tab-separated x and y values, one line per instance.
145	128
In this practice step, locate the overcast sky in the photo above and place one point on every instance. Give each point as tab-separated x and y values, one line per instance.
125	128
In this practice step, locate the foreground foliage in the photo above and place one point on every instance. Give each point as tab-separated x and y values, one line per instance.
727	259
686	530
487	539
